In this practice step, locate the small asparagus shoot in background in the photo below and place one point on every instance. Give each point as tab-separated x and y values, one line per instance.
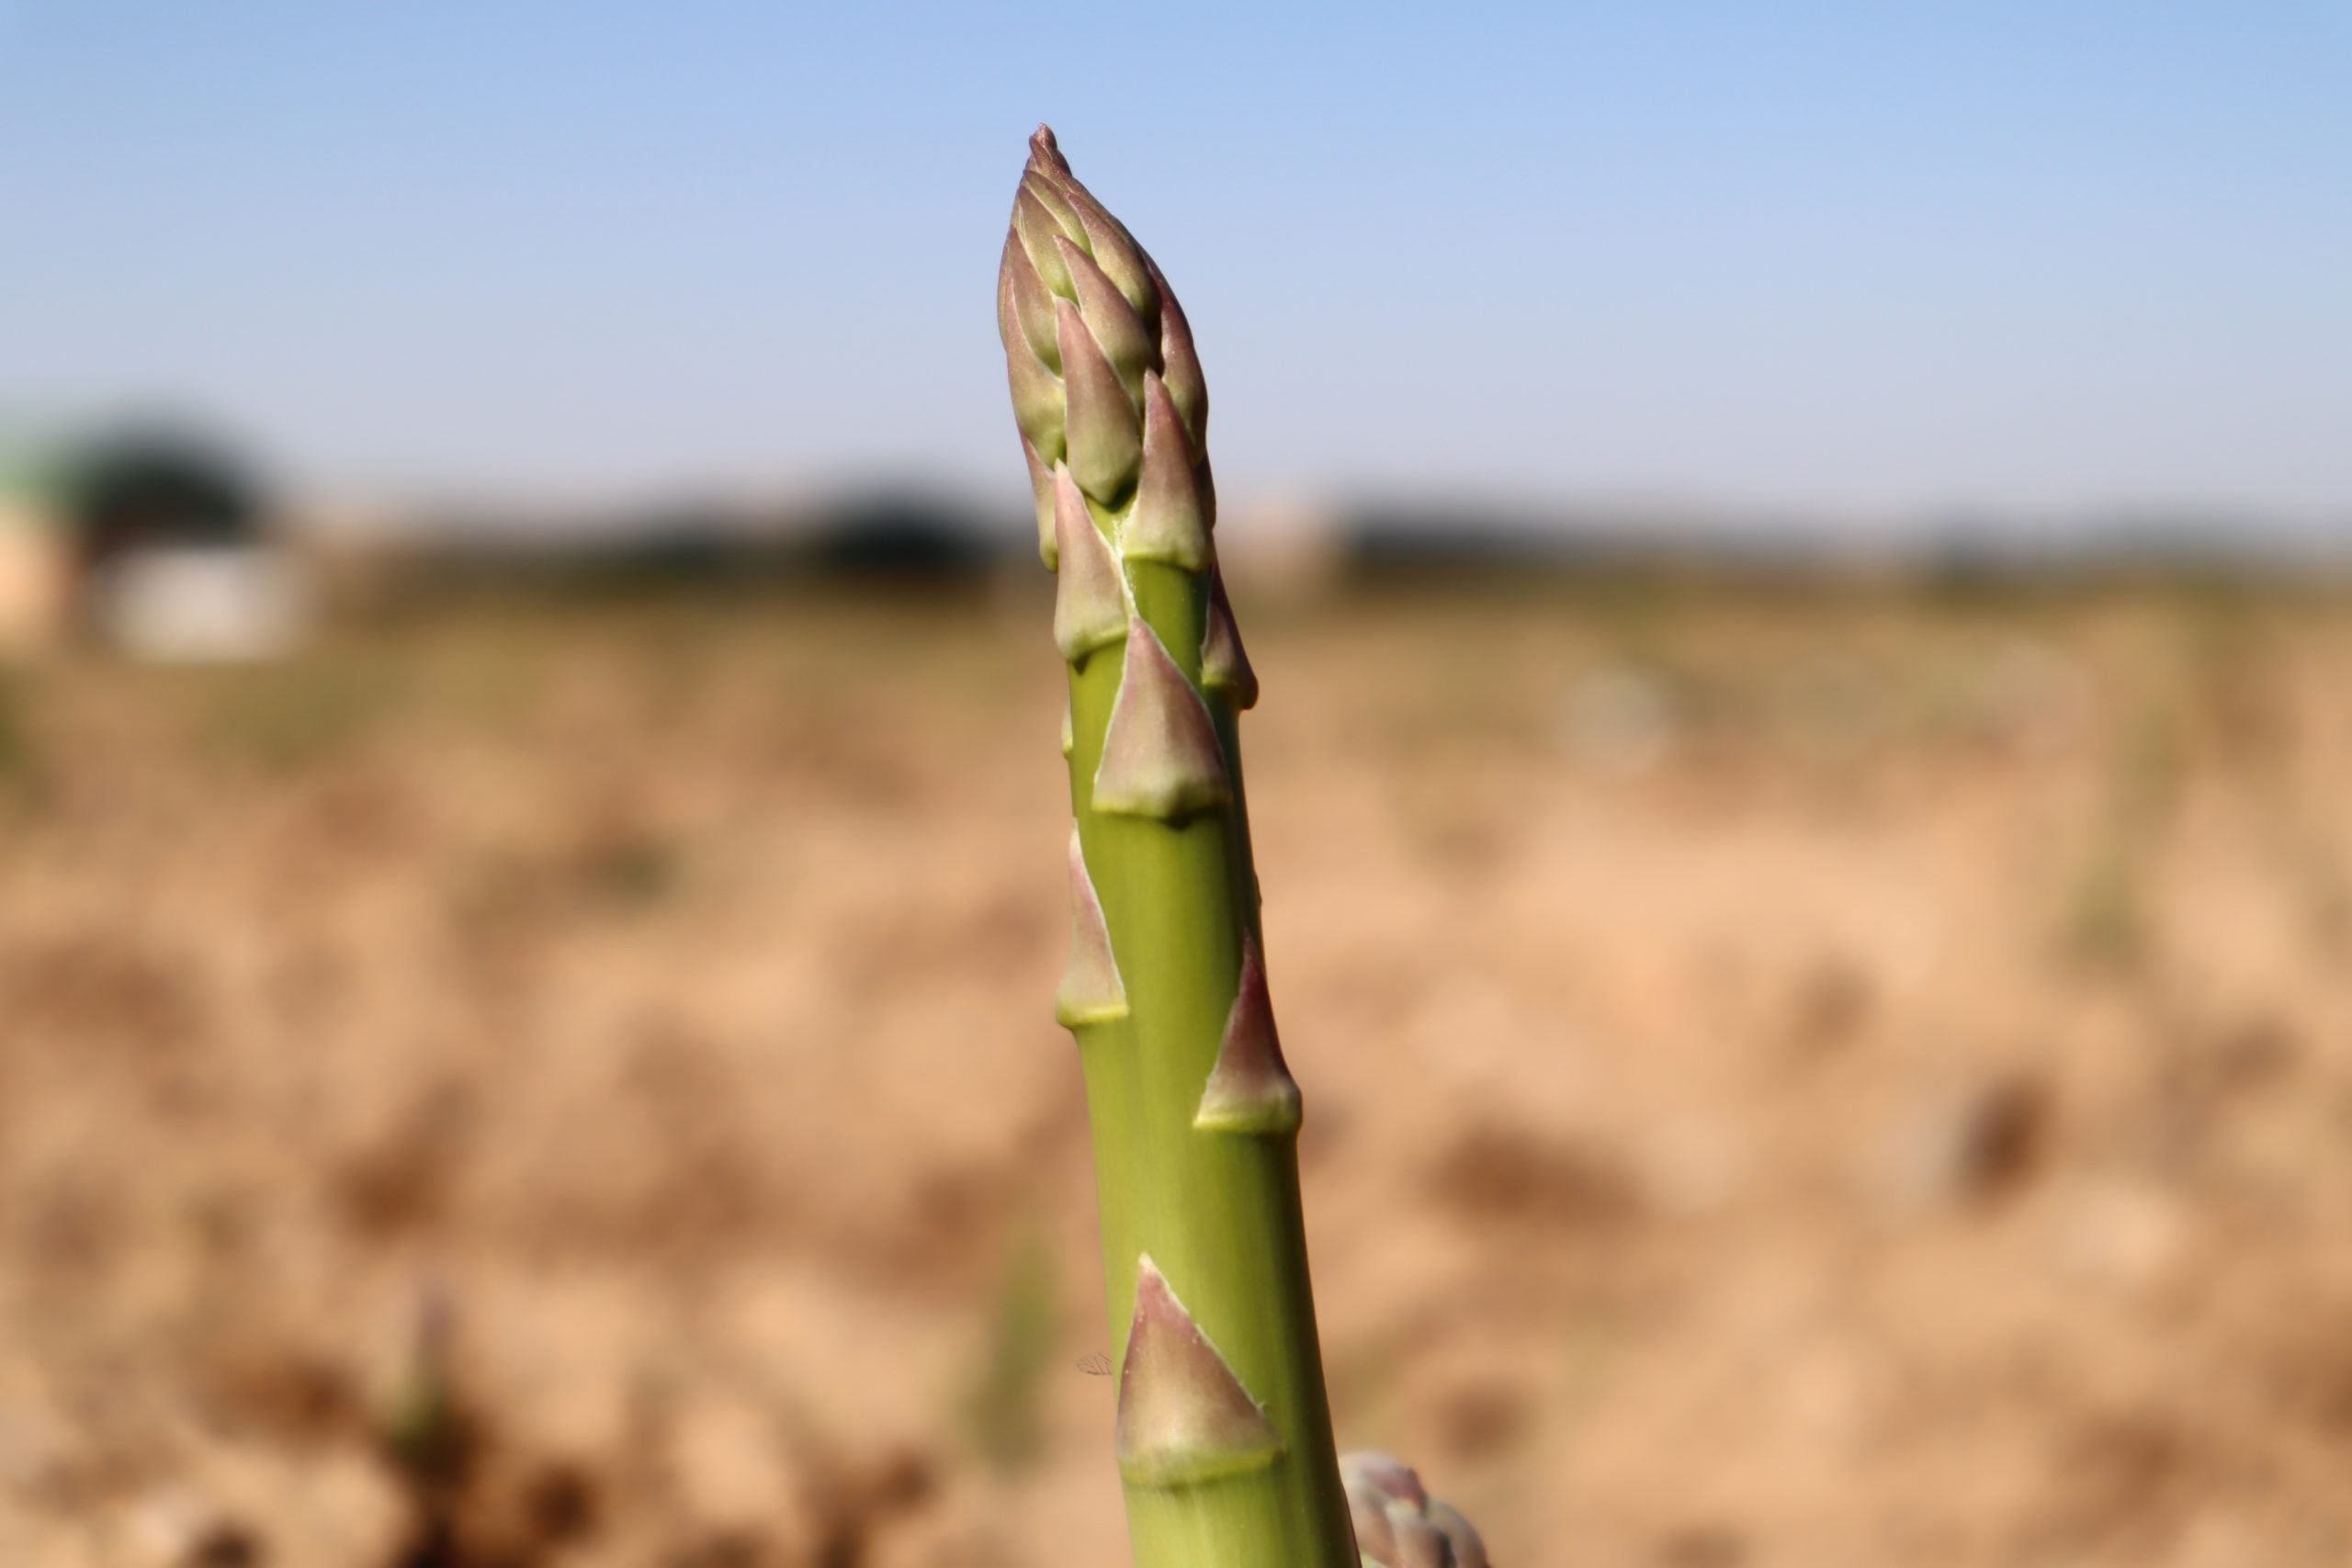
1224	1431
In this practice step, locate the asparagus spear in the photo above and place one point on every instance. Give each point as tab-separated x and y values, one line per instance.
1224	1431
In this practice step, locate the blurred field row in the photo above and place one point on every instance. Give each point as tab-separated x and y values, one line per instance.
1837	1076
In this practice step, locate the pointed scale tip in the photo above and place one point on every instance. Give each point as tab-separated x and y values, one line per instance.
1117	330
1044	149
1035	229
1049	192
1091	991
1107	240
1115	249
1180	362
1169	521
1225	664
1250	1090
1160	756
1028	305
1185	1417
1038	403
1090	598
1104	435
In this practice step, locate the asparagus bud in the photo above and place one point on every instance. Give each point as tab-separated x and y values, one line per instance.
1104	379
1224	1431
1398	1524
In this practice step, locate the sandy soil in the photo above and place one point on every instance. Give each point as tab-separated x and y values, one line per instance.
1801	1080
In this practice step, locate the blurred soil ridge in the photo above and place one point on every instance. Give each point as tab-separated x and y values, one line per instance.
1841	1070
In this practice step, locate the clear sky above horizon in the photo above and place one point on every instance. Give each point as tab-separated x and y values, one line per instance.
2037	255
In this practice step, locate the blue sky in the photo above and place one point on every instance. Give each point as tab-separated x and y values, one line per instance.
2048	257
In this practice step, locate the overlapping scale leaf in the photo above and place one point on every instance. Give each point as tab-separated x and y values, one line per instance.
1117	328
1103	432
1036	229
1170	521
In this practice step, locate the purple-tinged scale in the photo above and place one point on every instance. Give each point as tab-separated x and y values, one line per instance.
1118	328
1225	664
1089	597
1101	425
1111	246
1170	521
1038	406
1091	991
1037	232
1032	305
1183	1416
1250	1088
1160	756
1116	253
1041	489
1044	151
1050	198
1180	366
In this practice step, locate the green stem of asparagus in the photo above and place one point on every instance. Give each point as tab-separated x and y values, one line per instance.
1217	1213
1223	1435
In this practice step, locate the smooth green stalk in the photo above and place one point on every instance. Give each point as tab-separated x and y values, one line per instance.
1224	1434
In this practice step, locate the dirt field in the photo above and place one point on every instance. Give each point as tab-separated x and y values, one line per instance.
1790	1080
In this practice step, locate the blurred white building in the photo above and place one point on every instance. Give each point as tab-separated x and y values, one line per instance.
151	543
